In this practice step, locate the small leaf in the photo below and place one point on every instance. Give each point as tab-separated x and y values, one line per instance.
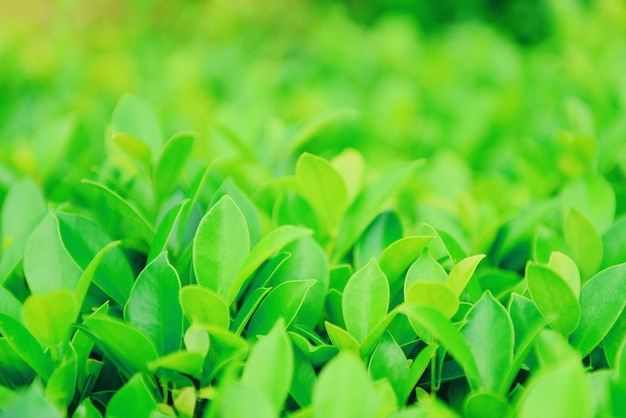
343	390
86	410
416	371
132	147
365	300
342	338
26	346
266	248
62	383
584	242
365	207
249	306
171	161
153	306
382	232
486	405
614	244
389	362
567	270
220	247
399	256
134	399
594	197
425	269
202	306
462	272
269	368
31	403
165	234
256	403
133	116
49	316
187	362
136	351
351	165
284	301
433	295
601	301
489	335
323	187
244	203
554	298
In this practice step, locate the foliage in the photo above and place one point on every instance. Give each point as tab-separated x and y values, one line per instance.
443	236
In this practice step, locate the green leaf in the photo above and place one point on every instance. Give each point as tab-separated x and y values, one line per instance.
133	116
202	306
389	362
220	247
489	335
525	317
425	269
433	295
49	316
557	392
171	161
187	362
304	379
136	351
31	403
462	272
399	256
47	265
343	390
416	371
565	267
26	346
584	242
86	410
137	222
134	399
351	165
442	330
230	403
284	301
601	301
614	339
342	339
132	147
269	245
269	367
595	199
62	383
85	242
165	235
153	306
382	232
323	187
486	405
614	244
554	298
307	261
22	210
9	305
245	204
88	275
366	206
15	371
249	306
365	300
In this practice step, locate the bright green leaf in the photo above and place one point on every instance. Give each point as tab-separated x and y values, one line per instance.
49	316
583	241
202	306
134	399
462	272
171	162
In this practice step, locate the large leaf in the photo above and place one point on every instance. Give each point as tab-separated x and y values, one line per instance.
554	298
47	264
269	367
134	399
365	300
269	245
366	206
171	161
601	301
49	317
343	390
323	187
153	306
284	301
489	335
220	247
137	349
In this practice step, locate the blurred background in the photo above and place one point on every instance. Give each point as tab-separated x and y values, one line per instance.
507	99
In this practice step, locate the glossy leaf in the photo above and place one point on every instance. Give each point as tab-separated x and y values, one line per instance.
400	255
323	187
133	399
26	346
565	267
202	306
188	362
365	207
433	295
344	390
49	316
165	234
170	163
269	245
269	367
601	301
462	272
365	300
62	383
342	339
489	335
245	204
554	298
425	269
382	232
284	301
389	362
153	306
136	351
220	247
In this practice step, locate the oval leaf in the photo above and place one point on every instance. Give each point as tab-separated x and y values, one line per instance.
201	306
